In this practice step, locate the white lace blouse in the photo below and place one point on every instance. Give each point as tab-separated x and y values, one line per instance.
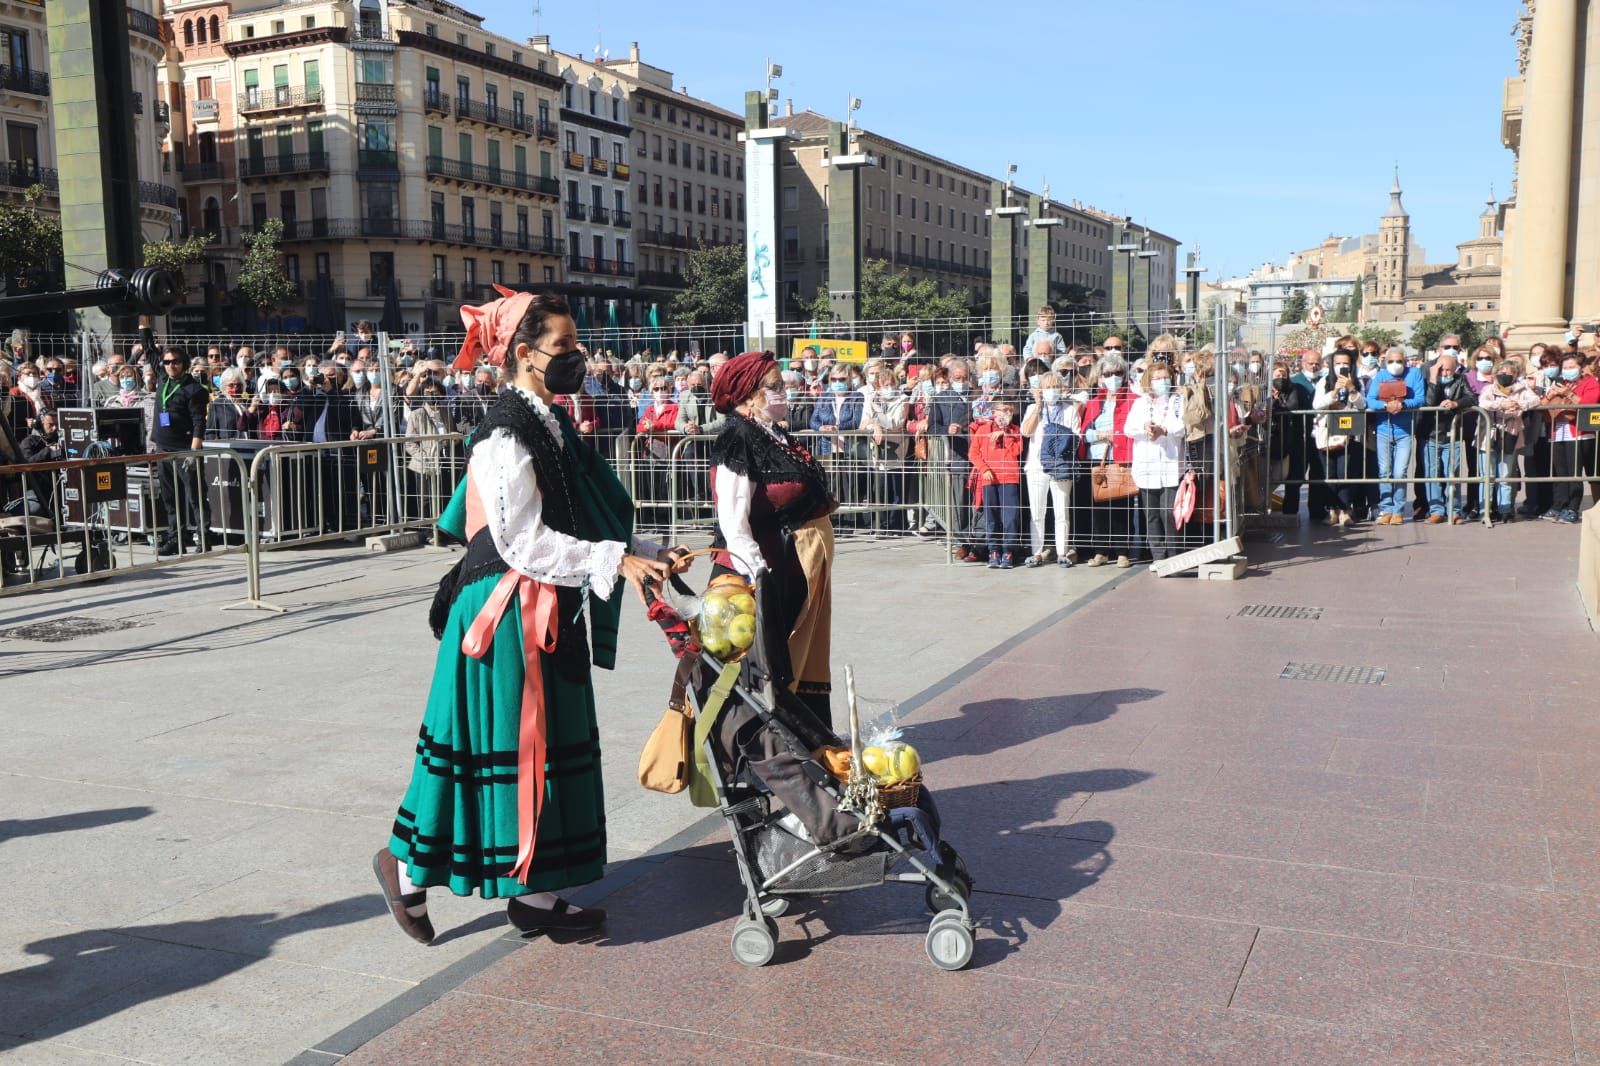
502	472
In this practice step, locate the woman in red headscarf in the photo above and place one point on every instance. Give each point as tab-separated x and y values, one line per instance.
773	504
505	796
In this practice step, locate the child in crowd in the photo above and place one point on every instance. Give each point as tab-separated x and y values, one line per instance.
996	456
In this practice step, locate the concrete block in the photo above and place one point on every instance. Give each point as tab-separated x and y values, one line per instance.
394	542
1226	570
1211	553
1589	566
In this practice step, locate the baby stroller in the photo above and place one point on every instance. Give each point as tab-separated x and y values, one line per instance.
796	828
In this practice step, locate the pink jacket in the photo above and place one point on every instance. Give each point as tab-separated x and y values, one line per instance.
1505	407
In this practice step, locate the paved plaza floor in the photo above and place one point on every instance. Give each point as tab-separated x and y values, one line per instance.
188	806
1190	843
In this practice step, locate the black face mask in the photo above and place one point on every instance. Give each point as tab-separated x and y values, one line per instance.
1505	380
564	373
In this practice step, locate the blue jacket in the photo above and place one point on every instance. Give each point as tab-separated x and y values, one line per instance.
848	417
1396	425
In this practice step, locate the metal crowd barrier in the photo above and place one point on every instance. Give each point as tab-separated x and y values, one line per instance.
1471	444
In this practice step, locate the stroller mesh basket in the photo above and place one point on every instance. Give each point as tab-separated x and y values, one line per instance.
776	849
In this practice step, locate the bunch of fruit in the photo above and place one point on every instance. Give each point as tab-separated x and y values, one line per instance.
727	618
891	763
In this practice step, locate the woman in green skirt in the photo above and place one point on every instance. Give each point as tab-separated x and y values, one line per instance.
505	797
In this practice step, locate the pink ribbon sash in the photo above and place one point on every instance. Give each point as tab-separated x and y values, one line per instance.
538	604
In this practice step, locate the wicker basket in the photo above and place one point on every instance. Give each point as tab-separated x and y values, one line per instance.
901	794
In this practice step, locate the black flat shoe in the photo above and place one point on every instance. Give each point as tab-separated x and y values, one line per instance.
530	919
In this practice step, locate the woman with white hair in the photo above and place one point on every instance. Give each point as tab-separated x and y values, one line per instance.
232	414
1107	444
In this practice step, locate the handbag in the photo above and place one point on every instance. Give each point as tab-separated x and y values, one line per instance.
664	763
920	449
1111	481
1392	390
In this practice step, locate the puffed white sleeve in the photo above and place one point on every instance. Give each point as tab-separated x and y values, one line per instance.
503	473
734	492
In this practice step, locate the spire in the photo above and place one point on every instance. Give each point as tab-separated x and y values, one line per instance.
1491	206
1396	208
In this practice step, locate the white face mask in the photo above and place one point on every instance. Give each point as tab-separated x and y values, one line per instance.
1112	381
1255	368
1052	397
1397	369
1188	368
1002	420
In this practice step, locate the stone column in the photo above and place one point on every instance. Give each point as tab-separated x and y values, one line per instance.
1544	187
844	229
1002	262
1586	213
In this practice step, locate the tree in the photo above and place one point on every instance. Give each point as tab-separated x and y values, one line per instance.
1356	298
1132	336
30	242
1382	336
885	293
1341	310
1452	318
177	256
1294	308
262	282
714	292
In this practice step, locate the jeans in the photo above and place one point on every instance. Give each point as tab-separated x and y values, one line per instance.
1502	459
1000	505
1394	462
1440	459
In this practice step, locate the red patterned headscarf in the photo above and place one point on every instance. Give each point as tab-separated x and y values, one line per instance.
739	378
490	328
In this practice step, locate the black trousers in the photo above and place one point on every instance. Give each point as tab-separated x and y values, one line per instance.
1570	458
181	497
1158	525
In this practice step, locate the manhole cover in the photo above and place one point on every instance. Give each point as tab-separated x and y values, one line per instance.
1262	610
1349	675
61	630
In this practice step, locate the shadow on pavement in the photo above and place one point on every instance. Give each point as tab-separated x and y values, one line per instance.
13	828
96	973
989	726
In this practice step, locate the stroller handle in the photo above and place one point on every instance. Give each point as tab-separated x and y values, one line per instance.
652	589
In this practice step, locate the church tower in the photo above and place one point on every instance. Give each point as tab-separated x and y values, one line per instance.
1388	298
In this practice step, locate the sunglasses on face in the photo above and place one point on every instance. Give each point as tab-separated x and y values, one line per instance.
171	362
1113	347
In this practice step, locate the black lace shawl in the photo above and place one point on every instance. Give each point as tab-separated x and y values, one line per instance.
766	458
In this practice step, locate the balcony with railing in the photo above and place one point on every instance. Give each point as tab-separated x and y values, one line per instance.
204	110
163	114
577	212
278	98
440	289
545	130
19	174
319	229
589	264
22	80
151	192
376	94
573	160
434	100
370	35
142	22
500	177
621	170
598	165
623	219
599	214
253	168
660	279
379	287
383	162
492	115
196	171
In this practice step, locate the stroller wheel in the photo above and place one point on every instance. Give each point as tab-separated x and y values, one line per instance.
949	941
754	942
775	906
939	900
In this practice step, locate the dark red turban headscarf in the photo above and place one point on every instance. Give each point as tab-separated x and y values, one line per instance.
739	378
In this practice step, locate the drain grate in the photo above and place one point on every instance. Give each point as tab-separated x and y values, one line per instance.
1261	610
61	630
1349	675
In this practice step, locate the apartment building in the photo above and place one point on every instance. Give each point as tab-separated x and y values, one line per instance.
25	111
930	218
409	153
686	166
596	140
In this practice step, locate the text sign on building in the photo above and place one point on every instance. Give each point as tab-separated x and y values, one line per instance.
761	236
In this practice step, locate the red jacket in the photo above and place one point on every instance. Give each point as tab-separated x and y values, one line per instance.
659	420
1002	459
1122	403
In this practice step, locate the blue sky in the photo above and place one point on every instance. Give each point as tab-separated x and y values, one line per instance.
1251	128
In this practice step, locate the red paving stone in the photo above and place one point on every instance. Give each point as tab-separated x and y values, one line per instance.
1180	857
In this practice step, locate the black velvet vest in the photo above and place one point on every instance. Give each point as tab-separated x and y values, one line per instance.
554	469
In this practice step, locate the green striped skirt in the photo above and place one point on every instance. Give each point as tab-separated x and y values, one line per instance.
457	826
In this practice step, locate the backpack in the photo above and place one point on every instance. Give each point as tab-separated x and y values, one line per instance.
1058	453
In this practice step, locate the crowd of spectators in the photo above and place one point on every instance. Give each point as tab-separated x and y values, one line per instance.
1054	455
